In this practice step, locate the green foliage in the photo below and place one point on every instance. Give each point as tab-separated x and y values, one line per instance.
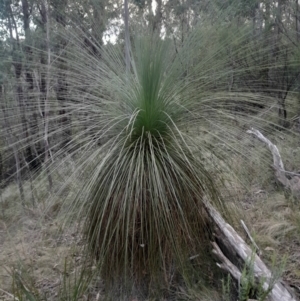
250	288
226	288
247	284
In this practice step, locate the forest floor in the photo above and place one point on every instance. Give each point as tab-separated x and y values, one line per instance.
45	260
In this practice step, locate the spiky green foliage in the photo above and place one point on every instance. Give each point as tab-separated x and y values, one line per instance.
152	131
144	196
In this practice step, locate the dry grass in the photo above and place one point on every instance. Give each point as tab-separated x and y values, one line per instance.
272	214
34	246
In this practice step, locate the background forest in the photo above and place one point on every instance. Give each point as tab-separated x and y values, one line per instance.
120	120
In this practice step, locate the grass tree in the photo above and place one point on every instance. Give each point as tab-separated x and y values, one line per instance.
143	197
146	150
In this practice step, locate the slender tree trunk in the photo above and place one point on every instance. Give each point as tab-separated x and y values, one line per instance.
282	114
13	144
256	18
65	122
98	26
158	17
17	63
297	21
18	172
267	14
45	8
1	159
127	39
65	117
31	156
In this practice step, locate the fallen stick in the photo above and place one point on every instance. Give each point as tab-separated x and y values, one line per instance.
237	247
294	184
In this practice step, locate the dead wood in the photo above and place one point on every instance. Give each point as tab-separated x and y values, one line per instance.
238	249
291	184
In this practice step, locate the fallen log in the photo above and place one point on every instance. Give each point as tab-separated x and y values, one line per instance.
291	184
238	249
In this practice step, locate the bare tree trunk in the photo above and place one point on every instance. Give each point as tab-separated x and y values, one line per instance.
1	167
1	159
45	7
17	63
256	18
65	117
297	21
18	170
127	38
158	17
62	85
12	143
282	113
98	26
31	156
267	14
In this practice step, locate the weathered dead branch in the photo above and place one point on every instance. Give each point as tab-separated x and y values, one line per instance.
238	249
291	184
